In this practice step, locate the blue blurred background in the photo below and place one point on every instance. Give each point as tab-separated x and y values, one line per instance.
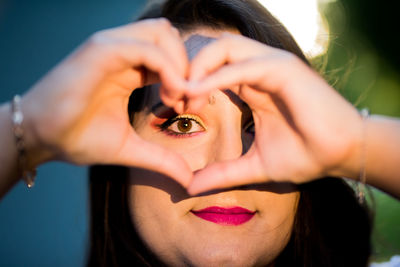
48	224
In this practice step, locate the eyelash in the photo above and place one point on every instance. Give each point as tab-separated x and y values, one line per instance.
165	125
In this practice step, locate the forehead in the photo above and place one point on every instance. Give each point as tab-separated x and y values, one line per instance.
202	36
195	43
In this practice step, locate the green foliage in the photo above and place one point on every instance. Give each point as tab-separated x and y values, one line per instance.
386	235
357	69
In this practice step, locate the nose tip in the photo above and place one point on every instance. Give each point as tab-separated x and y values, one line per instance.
229	147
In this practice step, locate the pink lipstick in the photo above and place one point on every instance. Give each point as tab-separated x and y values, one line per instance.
225	216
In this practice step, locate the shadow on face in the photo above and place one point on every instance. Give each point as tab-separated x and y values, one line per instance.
163	212
178	193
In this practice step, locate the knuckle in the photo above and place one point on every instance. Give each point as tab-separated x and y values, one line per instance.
226	38
158	23
290	57
228	35
164	23
158	27
100	41
232	41
175	31
98	37
101	47
292	60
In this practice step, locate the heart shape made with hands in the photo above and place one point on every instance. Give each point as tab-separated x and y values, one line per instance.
291	143
245	169
249	168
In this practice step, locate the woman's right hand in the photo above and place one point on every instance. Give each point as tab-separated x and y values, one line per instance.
78	111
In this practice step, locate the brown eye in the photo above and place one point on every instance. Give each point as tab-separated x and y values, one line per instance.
184	125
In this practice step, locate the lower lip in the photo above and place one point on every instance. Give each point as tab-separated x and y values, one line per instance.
225	216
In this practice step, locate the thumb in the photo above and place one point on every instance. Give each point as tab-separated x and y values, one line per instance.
140	153
244	170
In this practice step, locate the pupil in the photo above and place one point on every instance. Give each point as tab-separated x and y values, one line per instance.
184	125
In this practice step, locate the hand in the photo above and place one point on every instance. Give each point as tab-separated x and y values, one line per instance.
78	112
303	128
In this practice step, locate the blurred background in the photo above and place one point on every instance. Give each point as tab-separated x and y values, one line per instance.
48	224
363	64
353	43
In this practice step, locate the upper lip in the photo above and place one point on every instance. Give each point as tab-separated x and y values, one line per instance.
222	210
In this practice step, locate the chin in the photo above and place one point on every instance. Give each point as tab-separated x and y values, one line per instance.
209	256
220	260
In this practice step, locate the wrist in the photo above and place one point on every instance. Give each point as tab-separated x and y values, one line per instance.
36	151
353	164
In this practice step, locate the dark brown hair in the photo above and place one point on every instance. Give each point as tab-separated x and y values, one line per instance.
331	228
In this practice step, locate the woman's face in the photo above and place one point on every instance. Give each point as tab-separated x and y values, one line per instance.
245	226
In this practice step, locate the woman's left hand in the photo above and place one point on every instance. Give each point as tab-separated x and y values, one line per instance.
303	128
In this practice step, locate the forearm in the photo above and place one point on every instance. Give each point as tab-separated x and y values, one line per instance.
33	154
383	154
378	153
8	156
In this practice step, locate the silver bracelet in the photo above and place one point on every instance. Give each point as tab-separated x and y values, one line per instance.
360	190
17	118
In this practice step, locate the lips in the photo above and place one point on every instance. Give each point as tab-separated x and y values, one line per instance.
225	216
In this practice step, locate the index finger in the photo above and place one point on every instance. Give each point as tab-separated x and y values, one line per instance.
159	32
230	48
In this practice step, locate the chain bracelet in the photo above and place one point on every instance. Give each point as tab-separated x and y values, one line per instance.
17	118
362	178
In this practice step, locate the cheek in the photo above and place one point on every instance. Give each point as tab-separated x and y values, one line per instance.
149	217
156	208
195	150
154	198
159	214
277	213
280	208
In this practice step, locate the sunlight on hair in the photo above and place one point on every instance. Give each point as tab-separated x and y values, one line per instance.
303	20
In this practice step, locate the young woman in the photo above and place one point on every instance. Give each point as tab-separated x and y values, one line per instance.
233	114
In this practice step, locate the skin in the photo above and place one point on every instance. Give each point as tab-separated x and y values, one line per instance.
160	207
77	113
88	92
301	133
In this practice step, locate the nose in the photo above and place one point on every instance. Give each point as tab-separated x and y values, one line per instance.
228	144
228	131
